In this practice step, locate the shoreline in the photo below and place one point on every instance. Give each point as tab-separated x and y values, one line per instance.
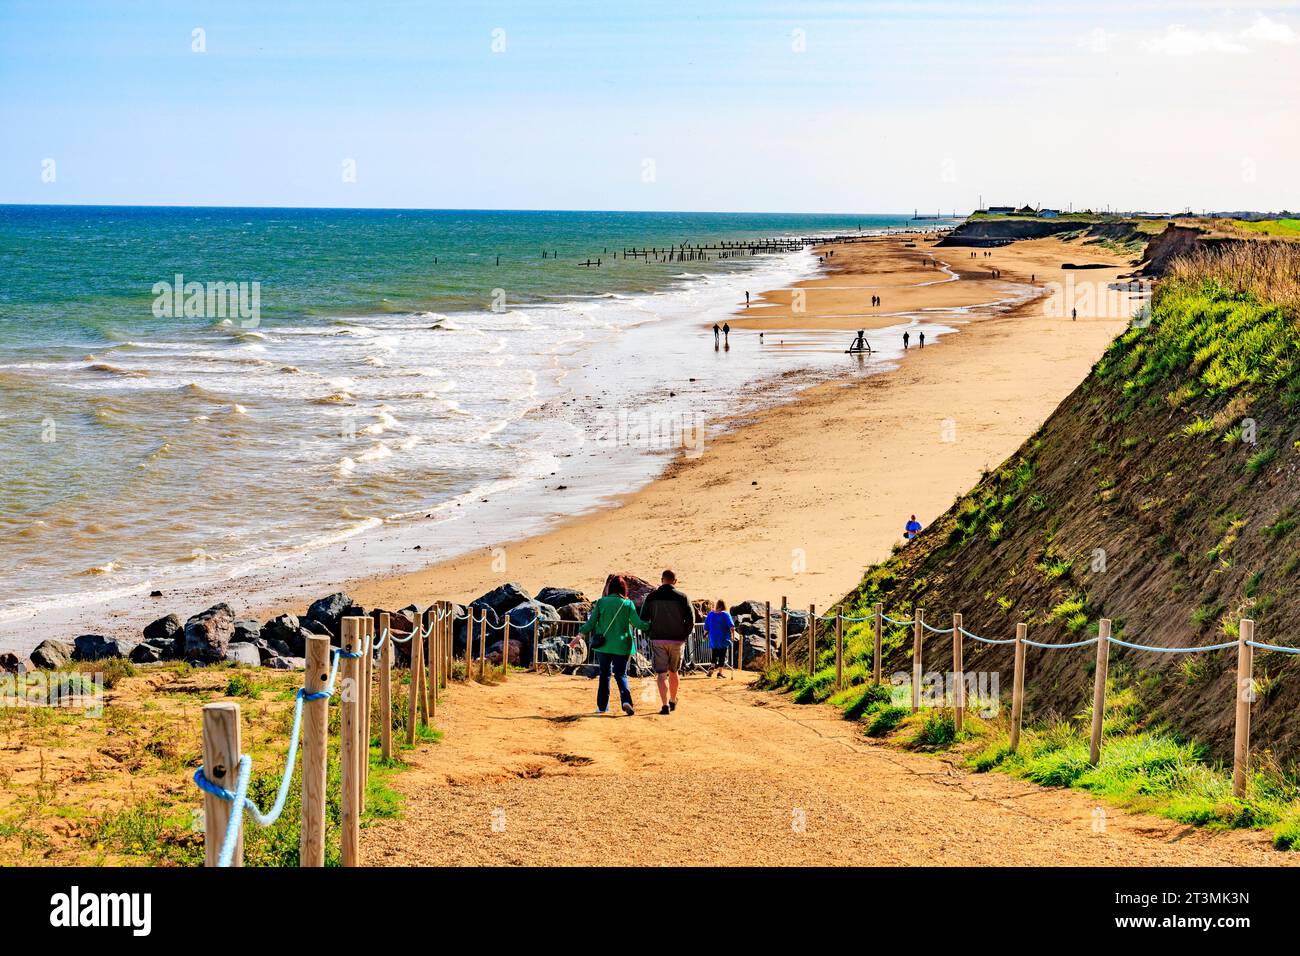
766	511
711	524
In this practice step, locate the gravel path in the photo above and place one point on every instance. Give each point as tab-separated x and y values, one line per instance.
527	775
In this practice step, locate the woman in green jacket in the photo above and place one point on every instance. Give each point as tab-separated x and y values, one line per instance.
610	625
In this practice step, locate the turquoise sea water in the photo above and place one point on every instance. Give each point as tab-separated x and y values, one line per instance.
396	366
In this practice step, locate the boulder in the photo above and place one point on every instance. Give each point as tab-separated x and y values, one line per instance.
286	629
208	634
555	650
578	611
286	663
246	632
559	597
516	652
637	588
243	654
96	647
147	652
521	625
500	600
167	628
52	654
798	622
10	663
751	609
756	648
269	649
325	613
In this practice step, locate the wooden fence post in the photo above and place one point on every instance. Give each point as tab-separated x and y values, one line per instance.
505	648
221	750
414	696
812	639
448	622
417	667
537	630
349	752
469	642
958	677
767	633
1018	688
785	631
434	656
315	753
1099	690
839	649
363	716
918	616
482	645
386	688
1245	695
876	663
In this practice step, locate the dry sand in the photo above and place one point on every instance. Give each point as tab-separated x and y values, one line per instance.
798	500
526	775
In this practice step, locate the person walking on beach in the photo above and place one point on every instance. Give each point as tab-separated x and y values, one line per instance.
610	626
726	333
717	332
1074	315
719	626
671	621
922	340
913	529
747	298
905	339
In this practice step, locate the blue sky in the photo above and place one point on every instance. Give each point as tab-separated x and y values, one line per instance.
778	106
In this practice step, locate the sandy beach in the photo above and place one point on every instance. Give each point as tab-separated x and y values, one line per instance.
797	500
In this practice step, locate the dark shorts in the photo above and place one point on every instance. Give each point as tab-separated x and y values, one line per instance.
666	656
719	656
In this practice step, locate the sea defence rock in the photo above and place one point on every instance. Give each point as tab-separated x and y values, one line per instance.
51	654
560	597
10	663
287	664
207	635
245	654
637	588
166	629
500	600
516	652
146	652
96	647
325	615
287	629
246	632
579	611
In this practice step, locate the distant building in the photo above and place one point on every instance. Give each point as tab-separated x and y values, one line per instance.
1001	210
1048	213
1026	211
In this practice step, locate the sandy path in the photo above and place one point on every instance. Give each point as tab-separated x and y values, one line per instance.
525	776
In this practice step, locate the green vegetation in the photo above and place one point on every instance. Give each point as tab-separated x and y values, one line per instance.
1269	227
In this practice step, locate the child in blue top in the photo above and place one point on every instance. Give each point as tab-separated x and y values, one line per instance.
718	625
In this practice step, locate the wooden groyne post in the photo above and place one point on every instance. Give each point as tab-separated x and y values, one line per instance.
1099	690
221	766
315	753
1018	688
1245	695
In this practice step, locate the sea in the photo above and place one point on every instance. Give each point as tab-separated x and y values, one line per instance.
258	399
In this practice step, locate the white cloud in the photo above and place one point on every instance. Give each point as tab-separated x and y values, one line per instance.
1179	40
1270	31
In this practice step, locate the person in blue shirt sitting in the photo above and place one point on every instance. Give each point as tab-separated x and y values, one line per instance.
912	529
718	625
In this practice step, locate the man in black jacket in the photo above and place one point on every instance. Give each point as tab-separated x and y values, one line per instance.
671	619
